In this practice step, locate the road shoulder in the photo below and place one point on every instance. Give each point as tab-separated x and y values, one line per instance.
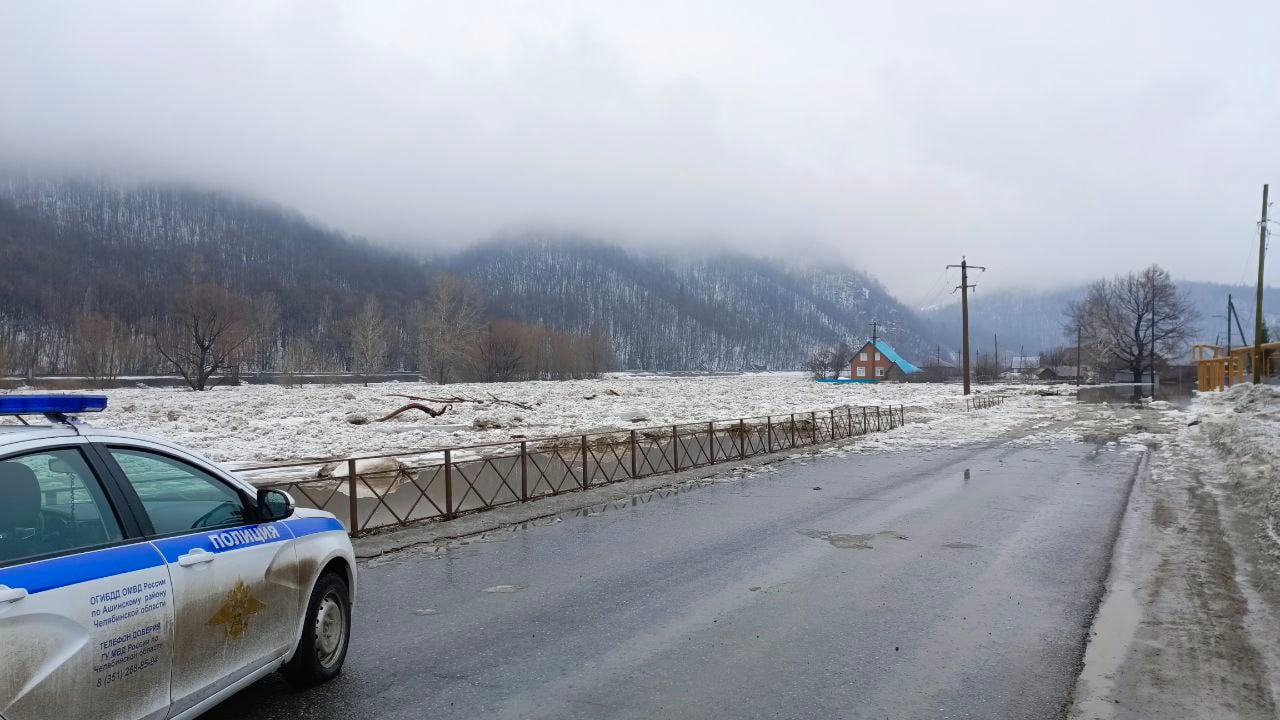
1187	627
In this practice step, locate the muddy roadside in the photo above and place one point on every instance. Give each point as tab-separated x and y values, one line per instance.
1188	626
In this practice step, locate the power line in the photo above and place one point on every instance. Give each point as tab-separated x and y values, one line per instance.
936	289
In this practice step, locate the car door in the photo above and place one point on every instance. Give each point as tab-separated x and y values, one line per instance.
86	617
235	581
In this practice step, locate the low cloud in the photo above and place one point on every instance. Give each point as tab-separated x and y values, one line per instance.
1050	142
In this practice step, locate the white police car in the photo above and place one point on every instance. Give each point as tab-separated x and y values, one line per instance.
138	580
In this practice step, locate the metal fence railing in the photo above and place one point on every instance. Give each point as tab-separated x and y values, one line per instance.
378	491
979	402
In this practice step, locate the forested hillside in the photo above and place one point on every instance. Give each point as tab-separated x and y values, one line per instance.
96	275
724	311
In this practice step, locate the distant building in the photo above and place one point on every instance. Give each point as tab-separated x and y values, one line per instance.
1058	373
878	361
1024	364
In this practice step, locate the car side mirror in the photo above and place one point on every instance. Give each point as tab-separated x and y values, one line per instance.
274	504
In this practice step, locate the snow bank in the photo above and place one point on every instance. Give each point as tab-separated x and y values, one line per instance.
257	423
1243	425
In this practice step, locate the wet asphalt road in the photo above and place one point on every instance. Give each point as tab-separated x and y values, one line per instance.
897	590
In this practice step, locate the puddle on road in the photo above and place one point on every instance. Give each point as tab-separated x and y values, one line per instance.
960	546
849	541
1113	630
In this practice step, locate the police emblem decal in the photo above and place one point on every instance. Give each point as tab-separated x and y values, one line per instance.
235	613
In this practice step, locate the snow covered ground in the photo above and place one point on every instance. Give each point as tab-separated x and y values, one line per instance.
1243	425
258	423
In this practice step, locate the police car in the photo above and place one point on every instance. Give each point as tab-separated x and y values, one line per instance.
139	580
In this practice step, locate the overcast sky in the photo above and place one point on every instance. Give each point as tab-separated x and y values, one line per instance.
1048	141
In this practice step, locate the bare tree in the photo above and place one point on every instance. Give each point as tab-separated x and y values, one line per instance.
265	331
536	348
449	326
985	368
563	360
841	356
1055	356
497	352
1124	319
819	364
203	331
598	353
370	341
97	347
299	357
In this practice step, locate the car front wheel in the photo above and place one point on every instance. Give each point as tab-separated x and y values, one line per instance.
325	635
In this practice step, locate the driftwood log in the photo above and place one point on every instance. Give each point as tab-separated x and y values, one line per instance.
493	400
415	406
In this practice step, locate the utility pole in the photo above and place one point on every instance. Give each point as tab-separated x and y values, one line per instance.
1153	340
1257	327
995	342
1079	334
1227	380
1239	331
964	313
874	349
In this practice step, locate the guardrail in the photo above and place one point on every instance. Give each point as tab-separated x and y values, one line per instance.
378	491
979	402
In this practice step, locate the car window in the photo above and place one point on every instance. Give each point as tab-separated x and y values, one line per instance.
51	502
178	496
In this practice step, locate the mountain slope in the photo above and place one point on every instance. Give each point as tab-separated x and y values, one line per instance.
73	247
724	311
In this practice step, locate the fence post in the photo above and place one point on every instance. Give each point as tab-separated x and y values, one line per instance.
879	422
768	433
848	421
524	472
813	426
448	483
902	414
711	442
586	480
742	440
633	454
831	428
866	424
351	499
792	428
675	449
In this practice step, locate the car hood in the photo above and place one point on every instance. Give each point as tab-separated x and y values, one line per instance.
306	512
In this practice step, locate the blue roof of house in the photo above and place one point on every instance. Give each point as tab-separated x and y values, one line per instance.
887	350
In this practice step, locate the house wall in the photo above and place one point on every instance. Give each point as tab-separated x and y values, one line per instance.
869	360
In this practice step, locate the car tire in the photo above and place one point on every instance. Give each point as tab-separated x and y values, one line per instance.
325	635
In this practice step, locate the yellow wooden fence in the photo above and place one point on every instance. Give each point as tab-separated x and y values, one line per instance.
1216	368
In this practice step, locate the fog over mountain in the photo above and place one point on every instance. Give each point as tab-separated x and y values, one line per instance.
1051	141
77	249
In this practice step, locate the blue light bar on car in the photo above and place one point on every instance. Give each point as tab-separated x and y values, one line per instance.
44	404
